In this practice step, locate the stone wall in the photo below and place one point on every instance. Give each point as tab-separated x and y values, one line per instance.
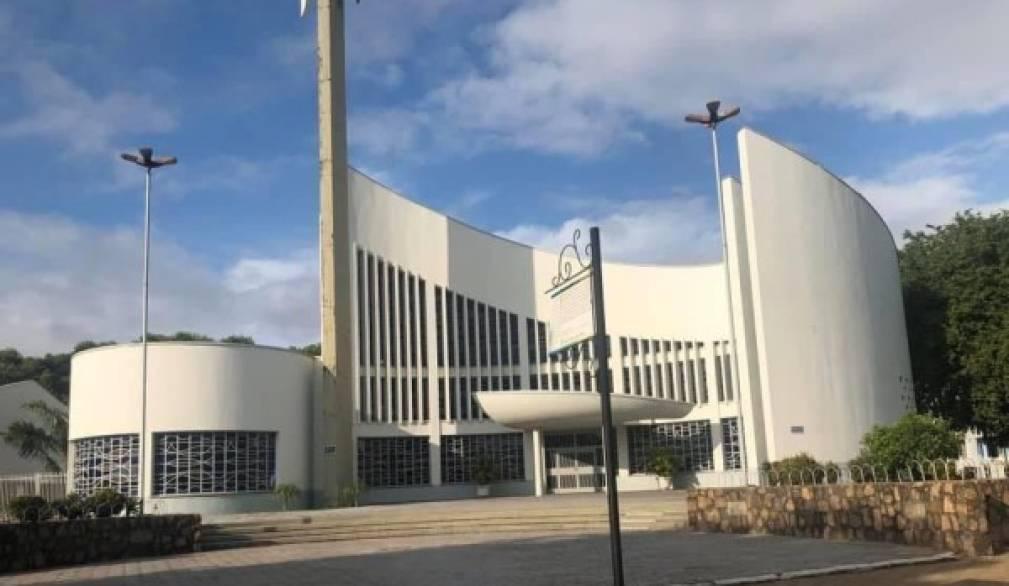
965	517
27	546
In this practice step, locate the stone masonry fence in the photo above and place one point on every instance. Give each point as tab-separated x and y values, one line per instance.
969	517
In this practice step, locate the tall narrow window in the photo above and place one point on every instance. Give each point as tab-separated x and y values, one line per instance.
702	373
439	328
381	313
411	285
481	318
727	363
425	406
372	318
471	335
541	329
450	325
422	302
463	398
460	325
453	399
442	400
513	328
362	296
719	388
402	297
393	322
492	335
531	341
503	338
362	398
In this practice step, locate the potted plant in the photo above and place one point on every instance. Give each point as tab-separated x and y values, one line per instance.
664	465
483	475
286	493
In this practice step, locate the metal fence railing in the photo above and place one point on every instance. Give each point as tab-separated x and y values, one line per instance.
50	486
915	471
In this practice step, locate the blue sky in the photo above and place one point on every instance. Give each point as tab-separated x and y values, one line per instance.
523	117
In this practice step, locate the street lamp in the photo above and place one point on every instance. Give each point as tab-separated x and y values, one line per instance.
146	159
715	115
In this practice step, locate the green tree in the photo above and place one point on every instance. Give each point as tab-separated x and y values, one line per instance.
41	436
912	439
181	336
956	299
311	349
237	339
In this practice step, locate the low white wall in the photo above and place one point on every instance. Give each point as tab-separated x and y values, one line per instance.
200	387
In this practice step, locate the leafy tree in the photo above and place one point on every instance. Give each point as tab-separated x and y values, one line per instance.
956	299
237	339
800	469
181	336
311	349
913	438
42	436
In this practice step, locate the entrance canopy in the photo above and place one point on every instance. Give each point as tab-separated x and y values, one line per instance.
563	410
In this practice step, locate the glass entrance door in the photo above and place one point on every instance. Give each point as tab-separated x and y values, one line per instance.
574	462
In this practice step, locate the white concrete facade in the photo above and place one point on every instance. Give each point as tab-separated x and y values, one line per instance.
441	311
200	387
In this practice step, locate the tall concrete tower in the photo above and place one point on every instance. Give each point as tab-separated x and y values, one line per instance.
333	462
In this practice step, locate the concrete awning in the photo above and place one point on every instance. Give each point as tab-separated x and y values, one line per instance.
560	410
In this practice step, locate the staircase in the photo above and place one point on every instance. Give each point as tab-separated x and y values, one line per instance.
553	515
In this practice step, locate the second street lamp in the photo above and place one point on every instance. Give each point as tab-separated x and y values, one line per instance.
714	116
146	159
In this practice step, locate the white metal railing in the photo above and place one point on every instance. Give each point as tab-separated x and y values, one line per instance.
50	486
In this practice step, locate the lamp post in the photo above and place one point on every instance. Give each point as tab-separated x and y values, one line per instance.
146	159
715	115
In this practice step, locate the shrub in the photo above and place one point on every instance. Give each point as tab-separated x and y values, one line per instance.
663	463
908	445
29	509
483	471
347	496
73	506
107	503
287	493
800	469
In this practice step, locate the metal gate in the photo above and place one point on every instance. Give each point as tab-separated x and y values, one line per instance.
574	462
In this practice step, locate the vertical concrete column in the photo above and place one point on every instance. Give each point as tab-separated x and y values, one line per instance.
538	467
335	468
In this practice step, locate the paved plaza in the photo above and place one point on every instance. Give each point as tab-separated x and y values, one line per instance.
650	558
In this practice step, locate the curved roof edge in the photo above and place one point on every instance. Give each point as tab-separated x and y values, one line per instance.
194	344
823	168
522	244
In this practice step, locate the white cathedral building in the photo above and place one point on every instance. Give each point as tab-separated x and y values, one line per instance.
435	355
449	364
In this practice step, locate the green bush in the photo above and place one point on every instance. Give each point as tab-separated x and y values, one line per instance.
909	446
347	496
800	469
287	493
71	507
108	503
663	463
29	509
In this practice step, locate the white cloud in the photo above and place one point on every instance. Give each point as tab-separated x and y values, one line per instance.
64	282
577	76
931	187
681	229
83	122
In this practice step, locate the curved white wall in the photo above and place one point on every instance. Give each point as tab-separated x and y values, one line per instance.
827	314
200	387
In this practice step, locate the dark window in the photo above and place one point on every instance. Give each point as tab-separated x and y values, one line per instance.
471	338
730	444
439	327
541	329
534	382
689	441
450	325
393	461
425	405
442	400
362	398
393	322
214	462
492	335
516	382
402	296
623	346
414	325
481	316
719	385
461	453
463	398
108	461
381	313
372	321
453	399
513	323
727	363
422	292
503	335
460	326
531	341
362	296
703	375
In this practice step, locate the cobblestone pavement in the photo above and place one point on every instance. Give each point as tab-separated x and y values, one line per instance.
487	560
